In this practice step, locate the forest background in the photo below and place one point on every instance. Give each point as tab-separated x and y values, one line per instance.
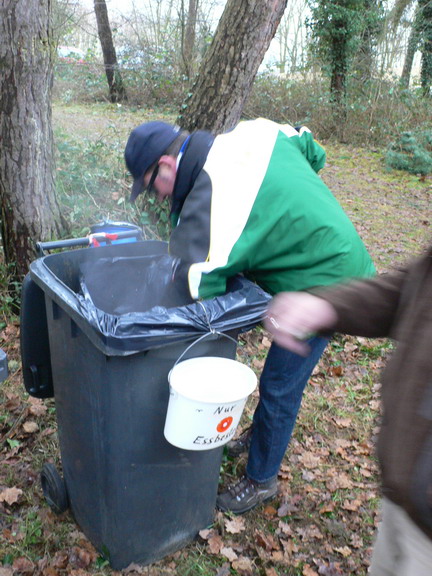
372	110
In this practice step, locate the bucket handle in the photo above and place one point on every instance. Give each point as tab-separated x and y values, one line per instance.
211	332
199	340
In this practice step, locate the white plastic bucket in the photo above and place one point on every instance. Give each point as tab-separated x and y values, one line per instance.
207	398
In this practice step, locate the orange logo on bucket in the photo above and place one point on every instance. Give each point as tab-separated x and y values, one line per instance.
224	424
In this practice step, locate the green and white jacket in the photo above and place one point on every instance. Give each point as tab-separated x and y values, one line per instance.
253	203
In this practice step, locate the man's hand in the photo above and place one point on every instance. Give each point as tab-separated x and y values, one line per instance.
295	316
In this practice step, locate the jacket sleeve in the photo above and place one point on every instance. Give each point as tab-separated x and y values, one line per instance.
367	307
311	149
190	239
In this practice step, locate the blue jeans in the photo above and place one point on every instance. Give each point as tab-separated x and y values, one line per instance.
282	382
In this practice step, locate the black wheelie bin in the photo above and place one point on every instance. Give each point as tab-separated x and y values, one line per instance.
100	330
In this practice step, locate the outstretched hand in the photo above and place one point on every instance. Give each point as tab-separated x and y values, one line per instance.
293	317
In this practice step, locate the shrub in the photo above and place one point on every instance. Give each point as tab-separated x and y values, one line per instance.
377	112
149	80
412	153
92	185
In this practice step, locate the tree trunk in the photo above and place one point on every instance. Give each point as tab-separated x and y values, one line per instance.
188	37
413	43
230	64
338	77
29	209
426	61
115	83
396	13
365	54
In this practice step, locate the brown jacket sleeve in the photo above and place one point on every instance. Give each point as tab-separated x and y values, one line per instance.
367	307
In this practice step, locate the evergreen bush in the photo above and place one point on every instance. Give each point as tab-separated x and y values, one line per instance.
411	152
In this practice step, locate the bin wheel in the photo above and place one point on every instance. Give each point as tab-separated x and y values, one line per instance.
54	489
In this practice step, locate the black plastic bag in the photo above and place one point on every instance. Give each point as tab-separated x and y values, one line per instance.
142	315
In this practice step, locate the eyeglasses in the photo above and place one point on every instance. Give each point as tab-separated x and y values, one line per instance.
150	186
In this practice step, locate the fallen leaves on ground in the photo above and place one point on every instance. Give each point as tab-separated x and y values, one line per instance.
322	522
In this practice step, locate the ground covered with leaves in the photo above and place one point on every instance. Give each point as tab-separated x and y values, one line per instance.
323	520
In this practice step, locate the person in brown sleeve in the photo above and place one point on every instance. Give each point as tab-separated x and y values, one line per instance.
397	305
